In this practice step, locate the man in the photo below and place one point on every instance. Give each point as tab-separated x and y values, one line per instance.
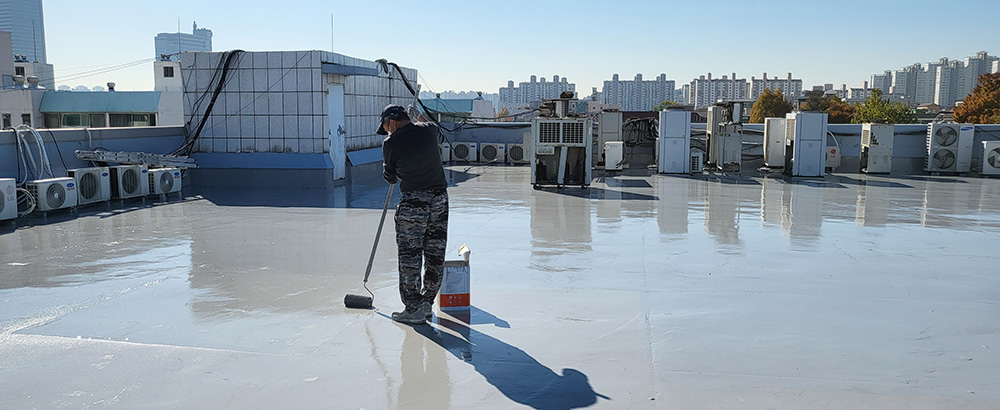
410	154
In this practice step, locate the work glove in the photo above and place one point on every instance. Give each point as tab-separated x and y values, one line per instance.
390	178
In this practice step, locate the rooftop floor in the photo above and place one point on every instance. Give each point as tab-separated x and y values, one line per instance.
646	292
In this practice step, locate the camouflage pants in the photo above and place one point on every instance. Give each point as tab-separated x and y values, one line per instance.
421	237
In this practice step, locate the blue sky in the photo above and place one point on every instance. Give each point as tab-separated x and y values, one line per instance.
466	45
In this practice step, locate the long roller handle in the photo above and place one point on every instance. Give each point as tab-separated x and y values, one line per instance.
371	259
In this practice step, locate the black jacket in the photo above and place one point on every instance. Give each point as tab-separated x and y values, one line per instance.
412	155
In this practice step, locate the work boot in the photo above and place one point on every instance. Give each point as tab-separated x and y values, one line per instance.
428	310
413	317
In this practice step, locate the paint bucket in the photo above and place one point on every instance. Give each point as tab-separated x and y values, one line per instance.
455	284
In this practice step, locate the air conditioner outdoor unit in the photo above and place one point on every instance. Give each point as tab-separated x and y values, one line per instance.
53	193
562	151
697	161
674	135
517	154
805	135
8	198
129	181
876	148
164	181
92	184
949	147
445	150
991	157
490	152
464	151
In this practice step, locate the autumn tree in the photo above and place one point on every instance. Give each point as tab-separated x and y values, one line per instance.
664	105
839	111
815	101
769	104
983	106
875	109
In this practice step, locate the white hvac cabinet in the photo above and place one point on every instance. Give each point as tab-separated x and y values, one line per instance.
614	155
805	134
949	147
129	181
876	148
608	129
492	152
93	184
445	150
991	157
774	142
674	142
164	181
53	193
8	198
562	151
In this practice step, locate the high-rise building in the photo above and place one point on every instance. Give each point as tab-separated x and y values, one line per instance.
882	81
943	83
172	44
638	94
706	91
535	90
23	19
790	88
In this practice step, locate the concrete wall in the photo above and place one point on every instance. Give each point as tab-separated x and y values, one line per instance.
63	142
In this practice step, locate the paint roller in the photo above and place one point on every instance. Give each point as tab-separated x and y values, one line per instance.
361	301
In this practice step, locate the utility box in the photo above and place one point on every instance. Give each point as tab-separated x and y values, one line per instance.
674	142
609	129
561	151
805	139
876	148
614	155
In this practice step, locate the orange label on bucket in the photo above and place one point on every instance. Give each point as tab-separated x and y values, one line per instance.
456	300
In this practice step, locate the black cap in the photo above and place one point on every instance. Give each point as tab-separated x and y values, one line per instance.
391	111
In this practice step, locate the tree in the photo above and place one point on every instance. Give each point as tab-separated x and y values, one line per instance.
839	111
815	101
983	106
503	112
769	104
875	109
664	105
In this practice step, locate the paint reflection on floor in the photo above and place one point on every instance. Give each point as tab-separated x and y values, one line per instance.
643	291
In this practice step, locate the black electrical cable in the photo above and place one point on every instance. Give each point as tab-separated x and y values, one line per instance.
58	151
188	145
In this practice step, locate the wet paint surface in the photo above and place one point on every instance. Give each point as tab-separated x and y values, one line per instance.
640	292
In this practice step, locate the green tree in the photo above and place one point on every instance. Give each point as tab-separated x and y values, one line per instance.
983	106
769	104
664	105
815	101
875	109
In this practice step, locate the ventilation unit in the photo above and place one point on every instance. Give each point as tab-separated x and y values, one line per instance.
614	155
991	157
164	181
949	147
489	152
129	181
445	149
8	198
675	142
697	161
517	154
53	193
876	148
92	184
805	139
464	151
563	150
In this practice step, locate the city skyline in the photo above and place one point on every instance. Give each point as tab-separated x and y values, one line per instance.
820	43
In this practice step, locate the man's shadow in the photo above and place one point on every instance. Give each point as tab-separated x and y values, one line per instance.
511	370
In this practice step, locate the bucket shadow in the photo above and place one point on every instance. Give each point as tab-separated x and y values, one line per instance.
511	370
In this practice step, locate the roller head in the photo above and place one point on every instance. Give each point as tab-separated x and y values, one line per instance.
358	302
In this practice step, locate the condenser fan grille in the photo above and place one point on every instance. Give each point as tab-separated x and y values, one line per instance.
516	153
945	136
55	196
461	151
992	158
2	203
130	181
89	186
166	182
489	153
944	159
